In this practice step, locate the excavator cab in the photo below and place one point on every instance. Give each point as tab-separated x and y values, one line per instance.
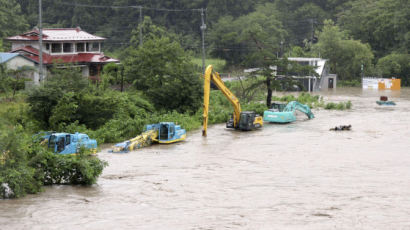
277	106
246	120
167	132
164	133
66	143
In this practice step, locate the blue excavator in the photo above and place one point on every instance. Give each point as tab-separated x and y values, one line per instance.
163	133
67	143
281	113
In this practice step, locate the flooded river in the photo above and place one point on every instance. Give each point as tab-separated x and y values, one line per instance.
294	176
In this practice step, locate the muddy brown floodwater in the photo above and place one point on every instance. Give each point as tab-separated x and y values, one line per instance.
294	176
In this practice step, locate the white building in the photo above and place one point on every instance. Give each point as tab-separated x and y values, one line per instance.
324	81
63	46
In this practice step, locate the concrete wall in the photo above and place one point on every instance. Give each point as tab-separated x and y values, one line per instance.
324	83
18	62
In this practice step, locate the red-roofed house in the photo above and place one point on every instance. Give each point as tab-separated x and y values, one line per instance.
64	46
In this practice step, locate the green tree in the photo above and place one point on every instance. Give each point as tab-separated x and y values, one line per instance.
384	24
397	66
26	166
346	56
43	99
237	39
149	31
5	80
12	21
16	179
301	19
163	71
17	78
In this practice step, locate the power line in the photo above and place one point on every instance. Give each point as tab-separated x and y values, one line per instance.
125	7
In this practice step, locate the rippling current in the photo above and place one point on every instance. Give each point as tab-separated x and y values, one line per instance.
293	176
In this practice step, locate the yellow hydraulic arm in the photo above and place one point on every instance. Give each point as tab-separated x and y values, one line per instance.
216	79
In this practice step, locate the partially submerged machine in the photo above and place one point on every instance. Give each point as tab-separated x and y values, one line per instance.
163	133
66	143
279	113
242	120
384	100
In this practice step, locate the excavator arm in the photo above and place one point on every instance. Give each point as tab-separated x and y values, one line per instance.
216	79
294	105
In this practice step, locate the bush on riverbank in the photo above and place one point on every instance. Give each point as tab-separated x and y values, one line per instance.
349	83
314	101
25	166
339	106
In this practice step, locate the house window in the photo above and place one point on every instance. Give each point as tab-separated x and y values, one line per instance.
80	47
48	46
67	48
93	47
56	47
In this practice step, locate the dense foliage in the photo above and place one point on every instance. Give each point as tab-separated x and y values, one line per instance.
314	101
162	70
25	166
372	29
346	55
395	65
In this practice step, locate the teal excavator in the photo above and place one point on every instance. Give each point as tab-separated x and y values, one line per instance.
279	113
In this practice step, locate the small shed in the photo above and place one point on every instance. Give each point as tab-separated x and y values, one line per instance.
15	61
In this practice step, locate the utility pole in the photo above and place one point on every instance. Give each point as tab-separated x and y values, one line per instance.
140	25
362	68
40	71
311	25
203	28
122	77
281	49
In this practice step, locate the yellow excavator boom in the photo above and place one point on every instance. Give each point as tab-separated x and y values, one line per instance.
216	79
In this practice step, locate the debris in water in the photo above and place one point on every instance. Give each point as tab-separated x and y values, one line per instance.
341	128
322	214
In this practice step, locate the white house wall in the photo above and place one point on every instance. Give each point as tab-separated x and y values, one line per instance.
85	71
19	44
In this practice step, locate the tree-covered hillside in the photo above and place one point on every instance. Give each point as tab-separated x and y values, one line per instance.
284	27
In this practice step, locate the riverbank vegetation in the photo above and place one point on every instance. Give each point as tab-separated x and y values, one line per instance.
158	81
314	101
67	102
26	166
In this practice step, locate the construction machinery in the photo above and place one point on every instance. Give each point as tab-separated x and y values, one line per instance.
279	113
242	120
66	143
384	100
163	133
